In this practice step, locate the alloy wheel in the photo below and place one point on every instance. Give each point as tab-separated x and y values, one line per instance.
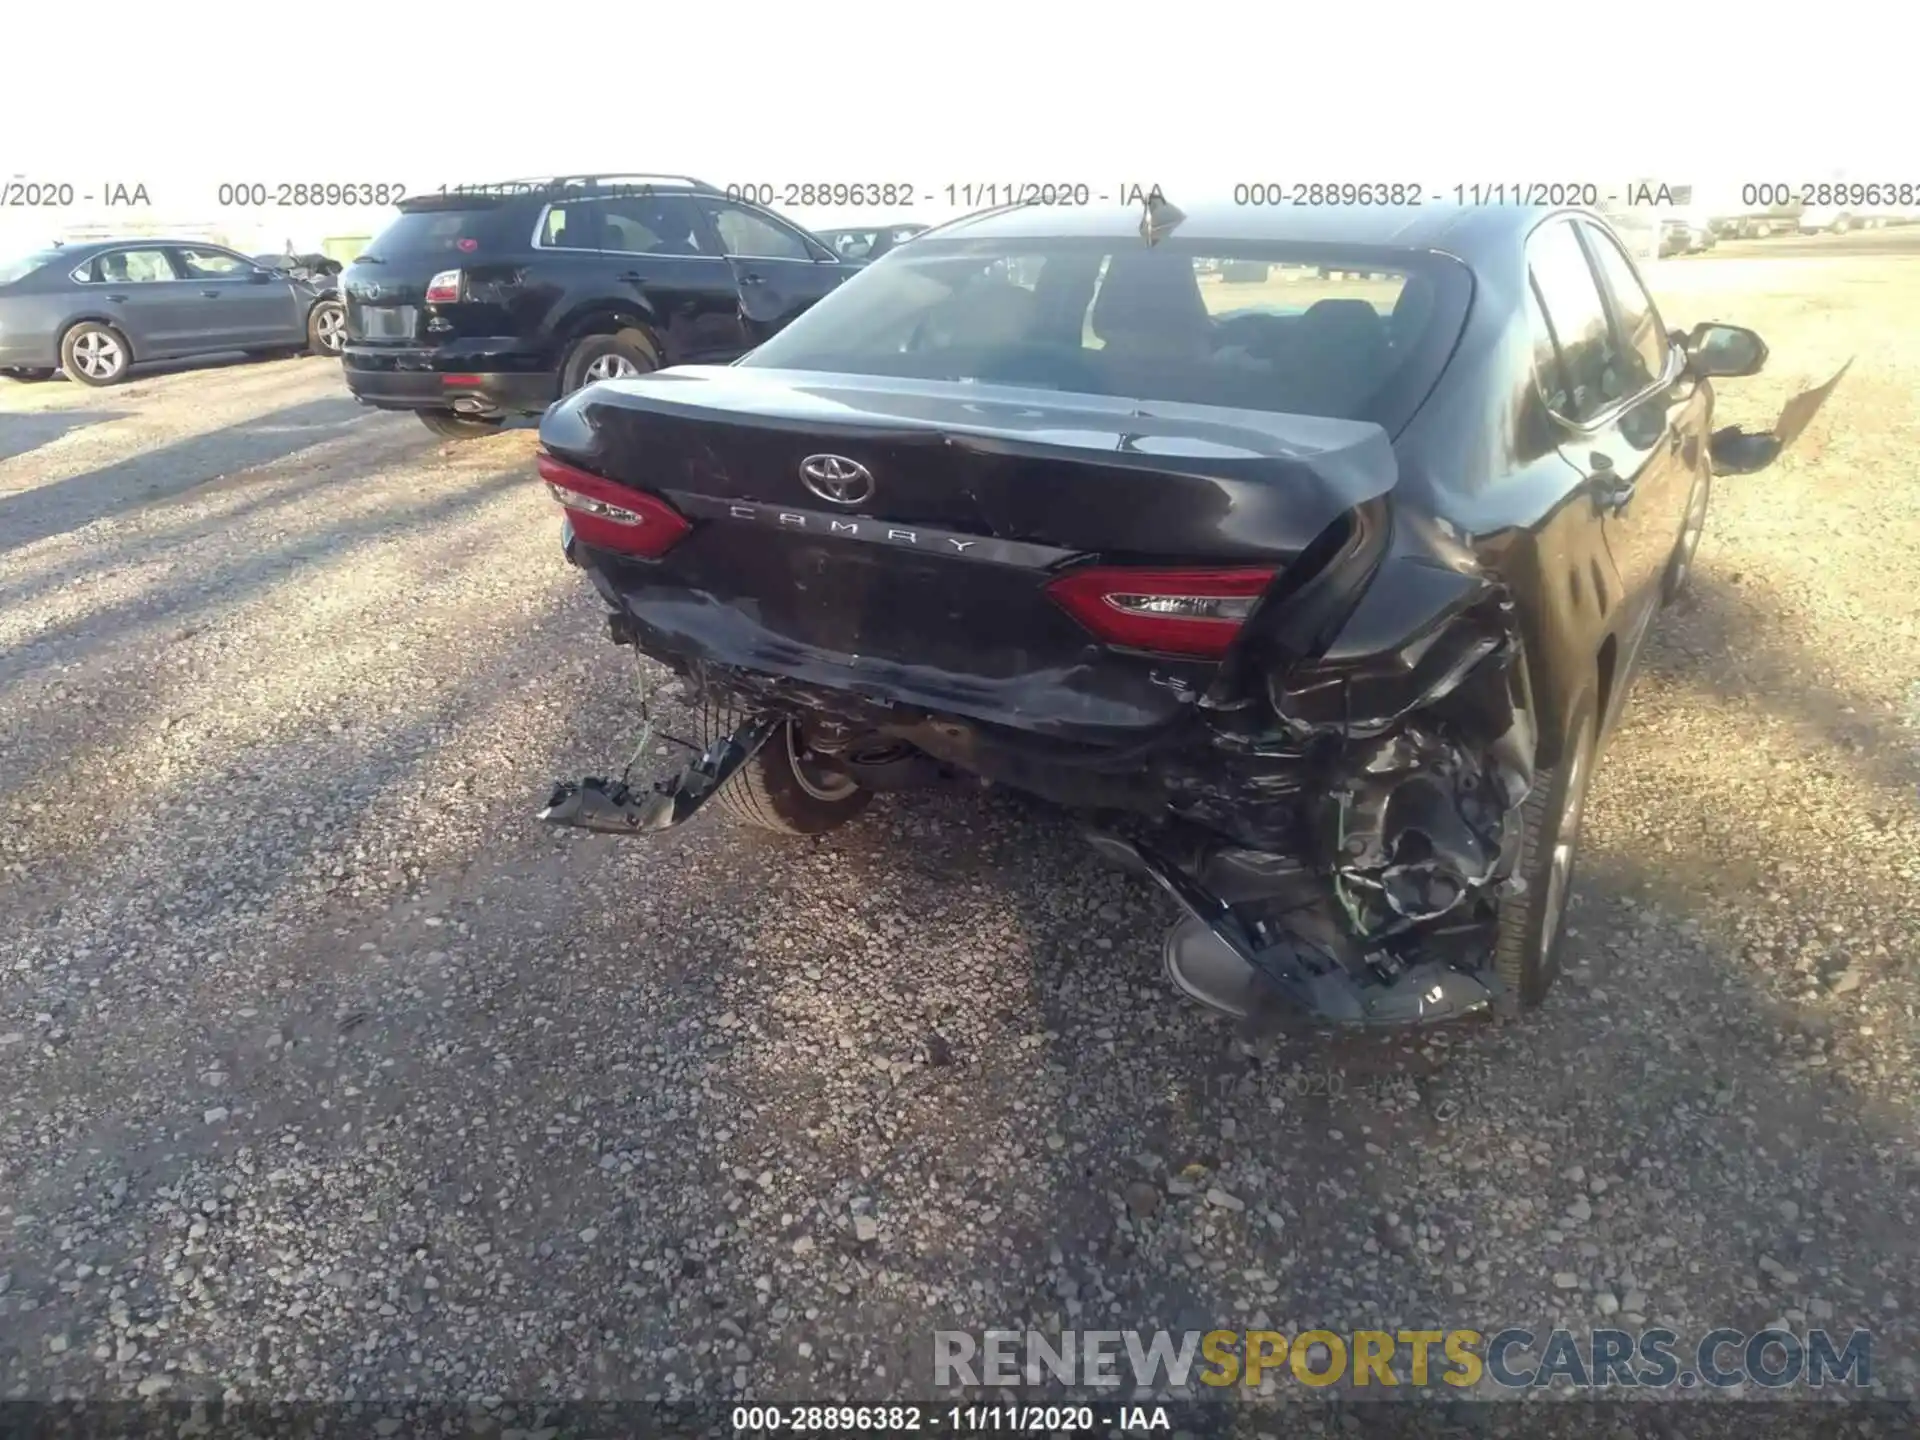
816	780
330	326
610	367
98	355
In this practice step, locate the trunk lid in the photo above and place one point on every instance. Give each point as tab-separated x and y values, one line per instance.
912	564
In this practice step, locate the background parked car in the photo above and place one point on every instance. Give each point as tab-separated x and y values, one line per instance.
1686	234
497	299
868	243
1824	219
96	309
1750	227
322	269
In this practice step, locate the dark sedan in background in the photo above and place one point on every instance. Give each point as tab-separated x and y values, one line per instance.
96	309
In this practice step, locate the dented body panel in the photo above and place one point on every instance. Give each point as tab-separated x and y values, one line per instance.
1335	799
932	596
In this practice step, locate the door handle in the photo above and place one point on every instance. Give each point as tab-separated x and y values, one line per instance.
1611	489
750	278
211	294
630	277
118	299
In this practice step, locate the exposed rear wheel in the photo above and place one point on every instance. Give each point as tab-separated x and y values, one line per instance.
95	354
607	357
1532	923
458	427
782	788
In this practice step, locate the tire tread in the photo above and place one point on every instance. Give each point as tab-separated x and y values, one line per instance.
1516	948
748	797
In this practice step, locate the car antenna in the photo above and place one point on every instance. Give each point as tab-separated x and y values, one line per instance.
1160	217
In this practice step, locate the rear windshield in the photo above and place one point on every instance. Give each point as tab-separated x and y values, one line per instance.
1342	334
423	233
18	267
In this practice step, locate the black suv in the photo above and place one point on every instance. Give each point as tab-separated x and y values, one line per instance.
491	300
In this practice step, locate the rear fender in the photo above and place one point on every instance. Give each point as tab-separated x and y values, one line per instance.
1301	616
118	324
605	319
1425	616
1419	713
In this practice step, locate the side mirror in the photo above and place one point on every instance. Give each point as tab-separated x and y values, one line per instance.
1714	349
261	277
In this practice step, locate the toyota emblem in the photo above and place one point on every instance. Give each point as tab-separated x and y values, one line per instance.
838	479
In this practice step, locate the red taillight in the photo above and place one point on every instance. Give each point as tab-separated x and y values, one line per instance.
444	288
461	380
612	517
1171	612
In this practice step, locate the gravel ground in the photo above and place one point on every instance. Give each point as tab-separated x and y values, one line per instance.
329	1073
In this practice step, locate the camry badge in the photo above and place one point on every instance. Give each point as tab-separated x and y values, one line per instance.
836	478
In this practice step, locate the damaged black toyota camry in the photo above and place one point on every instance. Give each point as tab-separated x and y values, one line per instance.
1305	556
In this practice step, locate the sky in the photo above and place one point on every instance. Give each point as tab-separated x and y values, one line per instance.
1191	97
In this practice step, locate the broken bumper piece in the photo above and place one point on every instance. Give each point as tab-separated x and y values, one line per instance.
610	807
1223	958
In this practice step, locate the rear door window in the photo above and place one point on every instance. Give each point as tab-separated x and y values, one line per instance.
649	225
1641	334
572	226
1546	357
748	234
131	267
1597	374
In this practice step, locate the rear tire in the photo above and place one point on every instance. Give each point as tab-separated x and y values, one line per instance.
777	790
95	354
607	357
1532	924
450	426
327	329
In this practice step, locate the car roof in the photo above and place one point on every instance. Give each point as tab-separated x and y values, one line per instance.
547	189
92	247
873	228
1471	232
